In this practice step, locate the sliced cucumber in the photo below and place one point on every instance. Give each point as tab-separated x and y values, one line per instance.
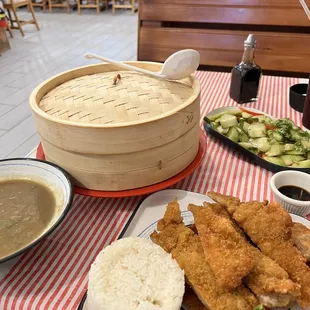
294	152
302	164
242	135
305	144
257	130
280	141
233	134
295	135
273	134
246	145
275	160
277	136
275	150
291	159
222	130
246	127
228	120
261	144
273	141
289	147
212	118
246	115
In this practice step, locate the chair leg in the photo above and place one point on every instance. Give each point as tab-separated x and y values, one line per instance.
113	7
97	7
10	17
50	6
132	7
78	3
33	16
9	30
44	6
17	21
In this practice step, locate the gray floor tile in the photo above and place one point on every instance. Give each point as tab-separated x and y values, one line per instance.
2	132
7	91
14	117
12	139
4	108
26	147
8	79
18	97
59	46
29	79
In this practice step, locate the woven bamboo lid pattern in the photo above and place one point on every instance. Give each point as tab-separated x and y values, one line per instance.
94	99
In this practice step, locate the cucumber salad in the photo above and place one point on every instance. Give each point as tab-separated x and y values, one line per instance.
280	141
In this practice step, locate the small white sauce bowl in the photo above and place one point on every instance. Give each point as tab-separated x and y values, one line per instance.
48	174
291	178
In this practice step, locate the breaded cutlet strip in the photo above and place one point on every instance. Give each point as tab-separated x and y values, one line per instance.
267	280
191	301
175	238
270	282
221	211
227	253
301	239
270	228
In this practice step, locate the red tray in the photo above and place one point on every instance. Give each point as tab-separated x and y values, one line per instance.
142	190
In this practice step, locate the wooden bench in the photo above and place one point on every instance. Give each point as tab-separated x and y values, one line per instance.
217	29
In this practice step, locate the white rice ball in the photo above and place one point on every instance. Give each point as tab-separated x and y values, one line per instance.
135	274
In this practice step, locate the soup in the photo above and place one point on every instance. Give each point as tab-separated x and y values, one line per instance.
27	208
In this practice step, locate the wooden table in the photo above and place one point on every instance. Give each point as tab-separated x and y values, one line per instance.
53	275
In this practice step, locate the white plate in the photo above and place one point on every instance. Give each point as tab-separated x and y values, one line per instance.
152	209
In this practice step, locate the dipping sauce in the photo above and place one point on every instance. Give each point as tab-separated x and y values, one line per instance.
295	192
26	209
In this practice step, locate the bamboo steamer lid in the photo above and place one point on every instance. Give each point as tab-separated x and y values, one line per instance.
97	129
95	100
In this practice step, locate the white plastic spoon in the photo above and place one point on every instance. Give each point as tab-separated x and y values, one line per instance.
178	66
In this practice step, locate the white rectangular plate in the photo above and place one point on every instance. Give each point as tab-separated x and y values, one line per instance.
152	209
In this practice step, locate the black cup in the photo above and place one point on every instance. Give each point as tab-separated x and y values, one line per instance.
298	96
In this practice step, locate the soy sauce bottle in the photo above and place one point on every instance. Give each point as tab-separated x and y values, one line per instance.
245	77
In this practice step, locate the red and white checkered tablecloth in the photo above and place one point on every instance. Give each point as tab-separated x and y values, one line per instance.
53	275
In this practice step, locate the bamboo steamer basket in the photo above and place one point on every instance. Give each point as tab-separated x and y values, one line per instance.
138	132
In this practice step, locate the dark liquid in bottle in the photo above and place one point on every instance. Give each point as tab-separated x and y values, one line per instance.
244	84
295	192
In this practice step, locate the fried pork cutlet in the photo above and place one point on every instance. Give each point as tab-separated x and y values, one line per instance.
301	239
227	253
185	247
270	282
191	301
267	280
269	227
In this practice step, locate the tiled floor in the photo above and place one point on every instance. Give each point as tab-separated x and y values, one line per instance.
59	46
